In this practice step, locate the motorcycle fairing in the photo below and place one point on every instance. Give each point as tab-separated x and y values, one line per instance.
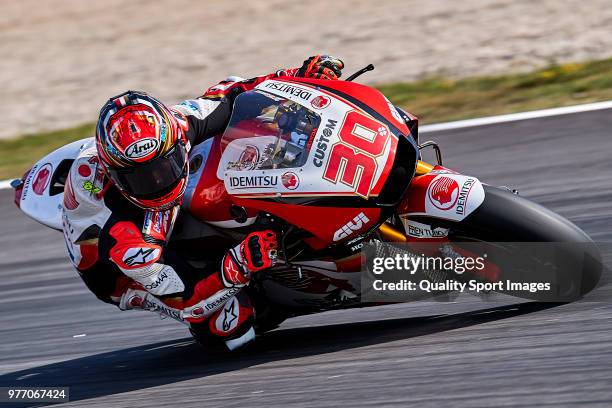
248	170
326	224
362	97
348	152
442	194
42	192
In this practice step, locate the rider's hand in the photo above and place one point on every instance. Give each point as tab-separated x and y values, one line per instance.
258	251
321	67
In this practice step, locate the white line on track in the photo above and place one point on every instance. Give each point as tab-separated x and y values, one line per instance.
513	117
487	120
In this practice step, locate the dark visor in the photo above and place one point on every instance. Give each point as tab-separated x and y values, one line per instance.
155	178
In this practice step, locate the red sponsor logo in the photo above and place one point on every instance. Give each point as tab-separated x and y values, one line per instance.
70	201
290	180
136	301
443	193
84	170
320	102
41	181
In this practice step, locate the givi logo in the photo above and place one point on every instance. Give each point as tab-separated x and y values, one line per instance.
351	227
443	193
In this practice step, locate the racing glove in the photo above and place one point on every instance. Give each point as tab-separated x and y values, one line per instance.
256	252
321	67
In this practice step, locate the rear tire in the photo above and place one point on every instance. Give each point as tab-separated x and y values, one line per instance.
506	217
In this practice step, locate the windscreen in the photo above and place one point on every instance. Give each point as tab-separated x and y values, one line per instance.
268	132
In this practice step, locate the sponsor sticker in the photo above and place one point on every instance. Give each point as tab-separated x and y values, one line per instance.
27	182
135	257
42	178
84	170
320	102
141	148
191	105
228	319
158	281
290	180
464	193
453	196
420	230
151	303
89	186
396	115
214	304
351	227
244	182
211	304
443	193
248	159
322	143
289	89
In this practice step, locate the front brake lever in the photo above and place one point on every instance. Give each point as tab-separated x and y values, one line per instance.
363	70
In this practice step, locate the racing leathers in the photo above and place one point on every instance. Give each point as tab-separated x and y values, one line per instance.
120	249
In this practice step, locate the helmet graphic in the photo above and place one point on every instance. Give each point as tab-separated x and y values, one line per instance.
142	146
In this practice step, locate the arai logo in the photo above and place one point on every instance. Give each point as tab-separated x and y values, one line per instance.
141	148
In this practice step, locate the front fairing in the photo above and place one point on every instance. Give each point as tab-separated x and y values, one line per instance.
289	140
308	156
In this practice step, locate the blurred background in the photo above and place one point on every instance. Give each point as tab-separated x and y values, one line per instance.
61	59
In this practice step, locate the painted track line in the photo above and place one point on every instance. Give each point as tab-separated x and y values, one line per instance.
513	117
487	120
5	184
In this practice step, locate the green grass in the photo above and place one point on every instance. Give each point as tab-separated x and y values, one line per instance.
431	99
440	99
17	155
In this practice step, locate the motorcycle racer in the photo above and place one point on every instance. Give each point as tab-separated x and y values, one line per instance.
122	197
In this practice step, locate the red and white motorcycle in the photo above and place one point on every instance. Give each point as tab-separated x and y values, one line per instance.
328	165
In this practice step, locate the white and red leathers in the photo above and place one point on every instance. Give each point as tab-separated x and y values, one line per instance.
120	249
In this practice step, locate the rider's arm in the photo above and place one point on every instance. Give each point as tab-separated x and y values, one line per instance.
209	114
233	86
318	66
204	118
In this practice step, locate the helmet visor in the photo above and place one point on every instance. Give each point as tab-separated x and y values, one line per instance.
155	178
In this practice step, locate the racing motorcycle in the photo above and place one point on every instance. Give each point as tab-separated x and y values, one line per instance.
329	165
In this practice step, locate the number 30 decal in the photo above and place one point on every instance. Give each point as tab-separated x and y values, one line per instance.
353	160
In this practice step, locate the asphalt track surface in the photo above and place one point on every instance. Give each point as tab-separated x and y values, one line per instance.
467	353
